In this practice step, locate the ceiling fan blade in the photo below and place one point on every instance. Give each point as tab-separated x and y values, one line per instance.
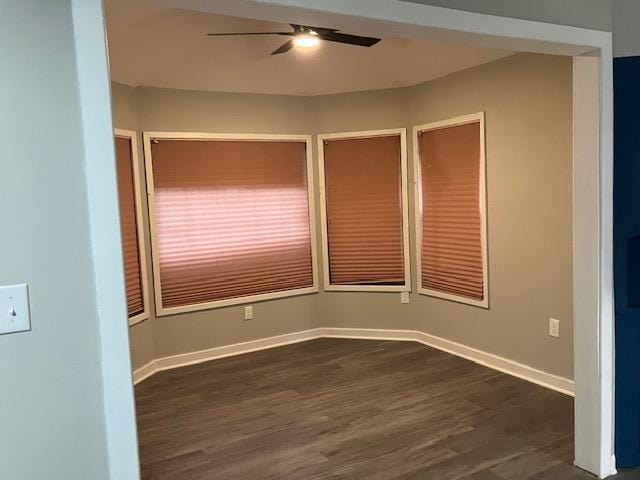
349	39
284	48
288	34
307	28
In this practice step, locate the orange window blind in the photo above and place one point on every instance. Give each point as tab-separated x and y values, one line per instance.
128	226
452	247
363	189
231	219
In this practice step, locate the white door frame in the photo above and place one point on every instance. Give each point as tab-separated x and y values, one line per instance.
593	187
104	224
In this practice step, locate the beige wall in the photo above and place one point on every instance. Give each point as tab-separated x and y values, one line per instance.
175	110
528	105
527	100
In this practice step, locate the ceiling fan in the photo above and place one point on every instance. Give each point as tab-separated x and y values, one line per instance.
306	37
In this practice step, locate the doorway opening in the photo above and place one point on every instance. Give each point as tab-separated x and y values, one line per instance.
589	246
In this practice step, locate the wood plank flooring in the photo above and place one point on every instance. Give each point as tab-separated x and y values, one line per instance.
351	409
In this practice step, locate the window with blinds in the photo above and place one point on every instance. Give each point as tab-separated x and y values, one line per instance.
230	221
452	227
131	225
364	211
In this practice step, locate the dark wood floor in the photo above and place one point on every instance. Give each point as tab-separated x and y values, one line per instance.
351	409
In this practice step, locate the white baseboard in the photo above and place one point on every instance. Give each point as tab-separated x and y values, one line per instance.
144	372
525	372
510	367
191	358
610	469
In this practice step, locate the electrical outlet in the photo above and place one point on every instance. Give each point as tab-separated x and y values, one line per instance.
248	312
554	328
404	297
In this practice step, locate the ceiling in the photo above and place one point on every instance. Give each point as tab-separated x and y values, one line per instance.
165	47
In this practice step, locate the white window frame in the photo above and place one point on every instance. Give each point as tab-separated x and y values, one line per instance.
417	184
132	136
306	139
328	286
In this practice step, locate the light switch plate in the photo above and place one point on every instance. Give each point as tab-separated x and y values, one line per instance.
14	309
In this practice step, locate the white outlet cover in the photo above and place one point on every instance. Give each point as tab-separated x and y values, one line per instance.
14	309
554	327
248	312
404	297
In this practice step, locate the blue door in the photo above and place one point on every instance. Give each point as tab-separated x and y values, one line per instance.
626	232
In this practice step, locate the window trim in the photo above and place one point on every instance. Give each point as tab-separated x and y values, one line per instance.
306	139
417	179
132	136
328	286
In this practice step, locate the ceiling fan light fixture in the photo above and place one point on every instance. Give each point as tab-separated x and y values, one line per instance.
306	40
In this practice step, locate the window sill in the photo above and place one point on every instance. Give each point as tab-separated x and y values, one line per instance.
161	312
367	288
141	317
455	298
